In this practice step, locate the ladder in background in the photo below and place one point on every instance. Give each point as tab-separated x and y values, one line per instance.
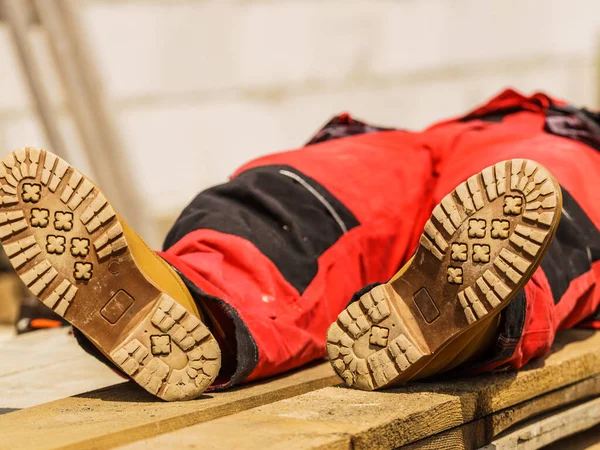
61	24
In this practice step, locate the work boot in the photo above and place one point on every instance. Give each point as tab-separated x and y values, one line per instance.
482	244
81	260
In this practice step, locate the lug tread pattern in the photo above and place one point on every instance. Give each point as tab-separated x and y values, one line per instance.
369	315
172	323
57	228
484	241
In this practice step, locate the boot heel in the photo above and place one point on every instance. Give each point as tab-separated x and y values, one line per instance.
370	344
170	353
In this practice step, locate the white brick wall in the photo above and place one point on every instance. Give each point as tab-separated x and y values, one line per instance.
180	73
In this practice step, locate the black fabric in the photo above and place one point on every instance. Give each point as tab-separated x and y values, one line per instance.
343	126
498	115
280	215
594	317
492	116
510	329
574	248
574	123
357	295
245	350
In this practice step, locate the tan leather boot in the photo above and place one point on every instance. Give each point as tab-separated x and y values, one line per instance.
481	245
81	259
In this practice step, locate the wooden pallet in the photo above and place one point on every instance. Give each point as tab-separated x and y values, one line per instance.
302	409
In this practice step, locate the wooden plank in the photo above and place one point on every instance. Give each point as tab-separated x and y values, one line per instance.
126	413
17	13
47	365
586	440
337	417
7	332
482	431
538	433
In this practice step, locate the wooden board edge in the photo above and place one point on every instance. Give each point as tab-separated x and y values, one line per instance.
551	428
117	415
146	431
485	430
386	419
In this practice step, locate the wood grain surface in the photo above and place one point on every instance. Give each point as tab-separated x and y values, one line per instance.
117	415
336	417
47	365
303	409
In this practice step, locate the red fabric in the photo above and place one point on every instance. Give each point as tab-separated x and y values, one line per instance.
390	181
581	300
290	328
462	148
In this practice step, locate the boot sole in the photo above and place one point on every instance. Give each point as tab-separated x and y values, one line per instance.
68	246
481	245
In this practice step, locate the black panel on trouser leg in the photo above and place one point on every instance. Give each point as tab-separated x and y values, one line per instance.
343	126
492	116
574	123
574	248
510	329
288	216
358	294
237	336
594	317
